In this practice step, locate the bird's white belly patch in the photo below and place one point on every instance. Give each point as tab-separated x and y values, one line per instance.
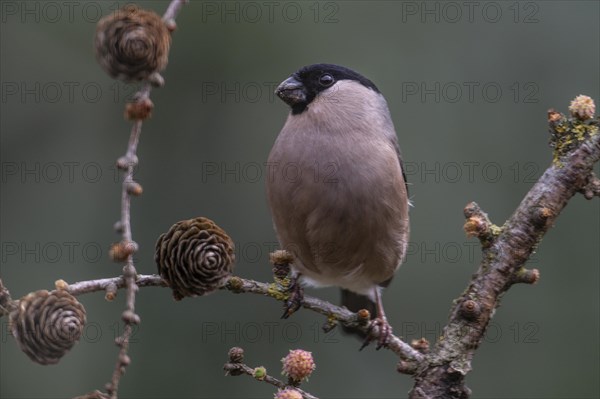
351	280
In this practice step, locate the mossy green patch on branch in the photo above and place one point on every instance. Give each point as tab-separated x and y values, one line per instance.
276	293
568	134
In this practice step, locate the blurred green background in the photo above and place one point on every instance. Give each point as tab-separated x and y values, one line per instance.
468	85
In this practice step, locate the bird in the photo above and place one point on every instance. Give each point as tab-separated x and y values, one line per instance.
337	190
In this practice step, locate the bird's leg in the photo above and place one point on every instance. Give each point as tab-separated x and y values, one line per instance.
295	296
385	330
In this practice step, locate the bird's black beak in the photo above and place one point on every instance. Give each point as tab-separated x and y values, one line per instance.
291	91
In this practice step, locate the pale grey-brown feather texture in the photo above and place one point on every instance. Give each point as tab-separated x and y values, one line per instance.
337	193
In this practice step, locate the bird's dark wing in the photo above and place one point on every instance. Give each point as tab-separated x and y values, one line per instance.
355	302
397	146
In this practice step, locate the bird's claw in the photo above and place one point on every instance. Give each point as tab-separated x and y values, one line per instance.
295	298
385	332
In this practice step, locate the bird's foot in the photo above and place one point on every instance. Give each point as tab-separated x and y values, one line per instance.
385	331
295	298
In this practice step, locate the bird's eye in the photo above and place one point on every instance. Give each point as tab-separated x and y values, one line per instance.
326	80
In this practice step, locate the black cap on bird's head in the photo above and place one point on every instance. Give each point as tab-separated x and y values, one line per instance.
301	88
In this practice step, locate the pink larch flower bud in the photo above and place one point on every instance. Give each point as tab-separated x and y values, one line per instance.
288	393
582	107
298	364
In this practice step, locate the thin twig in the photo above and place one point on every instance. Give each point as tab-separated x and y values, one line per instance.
337	313
88	286
238	368
129	271
173	9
